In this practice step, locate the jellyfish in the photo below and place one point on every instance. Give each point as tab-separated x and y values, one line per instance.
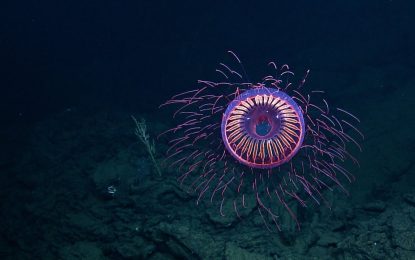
272	143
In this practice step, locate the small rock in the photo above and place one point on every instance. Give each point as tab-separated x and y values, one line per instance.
410	199
237	253
401	222
81	250
405	240
328	239
376	206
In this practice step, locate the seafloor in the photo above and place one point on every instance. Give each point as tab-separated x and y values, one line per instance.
55	202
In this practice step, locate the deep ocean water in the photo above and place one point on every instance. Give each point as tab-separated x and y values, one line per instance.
76	183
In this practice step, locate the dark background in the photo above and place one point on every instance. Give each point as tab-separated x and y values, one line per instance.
72	72
133	55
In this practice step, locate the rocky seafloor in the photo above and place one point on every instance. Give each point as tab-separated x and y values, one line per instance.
78	185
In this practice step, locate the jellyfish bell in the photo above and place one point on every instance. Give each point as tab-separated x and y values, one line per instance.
263	128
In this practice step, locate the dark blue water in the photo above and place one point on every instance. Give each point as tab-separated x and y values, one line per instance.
77	183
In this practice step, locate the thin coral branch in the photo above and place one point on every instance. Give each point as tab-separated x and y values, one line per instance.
143	136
